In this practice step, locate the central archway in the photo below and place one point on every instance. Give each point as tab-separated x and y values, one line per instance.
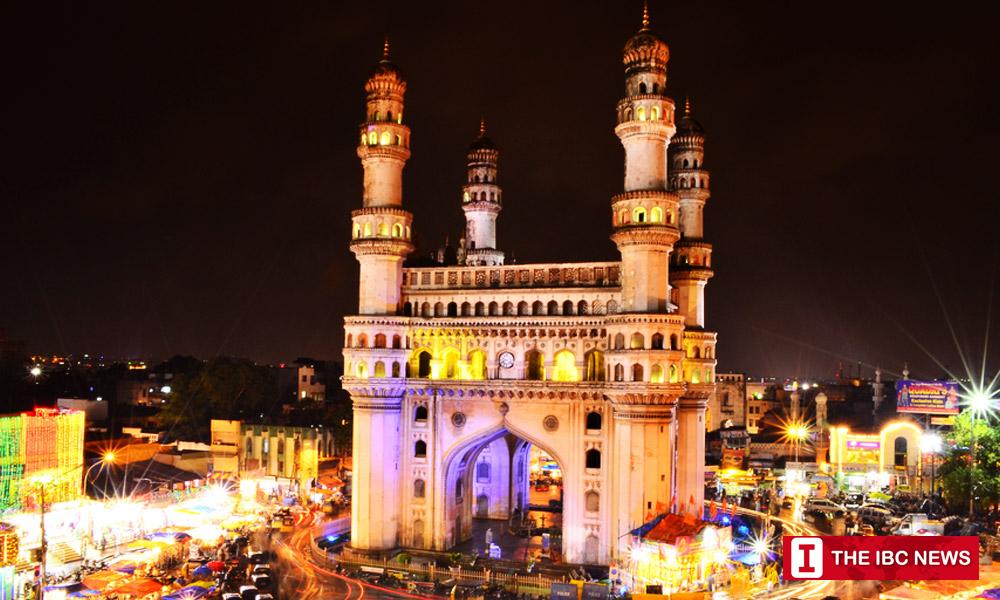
491	484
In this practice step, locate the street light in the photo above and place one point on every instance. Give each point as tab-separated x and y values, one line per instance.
796	432
930	443
980	403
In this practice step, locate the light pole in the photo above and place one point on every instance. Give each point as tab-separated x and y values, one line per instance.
979	402
930	444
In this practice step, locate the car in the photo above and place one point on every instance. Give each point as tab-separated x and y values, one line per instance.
876	516
264	568
231	596
262	582
825	504
249	592
853	501
264	597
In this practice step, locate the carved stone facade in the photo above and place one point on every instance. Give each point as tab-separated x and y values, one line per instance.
456	371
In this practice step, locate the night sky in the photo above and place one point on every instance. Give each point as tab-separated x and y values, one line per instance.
180	174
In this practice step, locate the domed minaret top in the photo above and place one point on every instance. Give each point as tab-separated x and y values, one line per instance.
481	202
645	50
686	125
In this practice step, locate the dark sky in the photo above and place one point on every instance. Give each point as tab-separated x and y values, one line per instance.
180	174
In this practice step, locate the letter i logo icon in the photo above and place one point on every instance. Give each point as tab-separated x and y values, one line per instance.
807	558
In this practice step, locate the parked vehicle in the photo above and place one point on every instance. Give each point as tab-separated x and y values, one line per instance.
853	501
877	516
249	592
918	524
825	504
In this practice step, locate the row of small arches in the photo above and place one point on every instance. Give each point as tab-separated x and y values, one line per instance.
592	460
654	114
637	341
474	196
592	422
377	116
384	230
592	499
684	183
379	340
477	178
385	139
563	368
639	214
495	309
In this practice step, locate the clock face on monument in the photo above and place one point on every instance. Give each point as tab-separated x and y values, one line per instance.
506	360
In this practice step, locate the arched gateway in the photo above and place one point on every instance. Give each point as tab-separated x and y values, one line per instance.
490	363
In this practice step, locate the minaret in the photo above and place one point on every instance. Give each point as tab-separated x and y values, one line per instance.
877	386
381	228
481	201
692	259
822	432
380	240
643	216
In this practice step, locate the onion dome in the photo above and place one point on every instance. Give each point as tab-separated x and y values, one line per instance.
386	69
686	125
482	142
645	49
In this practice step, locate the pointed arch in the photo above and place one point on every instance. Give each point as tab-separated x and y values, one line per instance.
594	361
553	307
534	365
564	366
477	364
637	372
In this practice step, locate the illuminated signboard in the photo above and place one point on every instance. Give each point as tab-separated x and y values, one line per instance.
862	445
927	397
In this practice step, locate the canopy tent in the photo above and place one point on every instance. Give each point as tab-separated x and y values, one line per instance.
139	587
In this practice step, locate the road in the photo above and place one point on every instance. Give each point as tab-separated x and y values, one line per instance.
303	579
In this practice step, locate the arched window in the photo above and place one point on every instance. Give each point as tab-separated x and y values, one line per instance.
361	370
654	87
673	374
368	230
364	140
363	340
595	365
480	309
654	113
594	421
639	214
386	138
522	308
637	341
900	452
395	369
592	501
628	115
612	307
640	113
399	140
656	374
357	230
619	373
452	309
349	341
708	352
567	307
553	307
537	308
593	460
483	472
565	366
466	309
636	372
397	342
656	215
425	310
420	413
419	488
420	449
383	229
494	309
379	369
379	340
508	308
623	216
620	341
657	342
597	307
439	310
420	364
372	138
582	308
686	163
397	230
477	364
642	87
673	341
695	351
534	365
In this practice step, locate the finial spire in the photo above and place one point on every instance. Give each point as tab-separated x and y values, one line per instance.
687	106
385	49
482	127
645	14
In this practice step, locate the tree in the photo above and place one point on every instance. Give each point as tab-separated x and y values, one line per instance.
955	469
223	388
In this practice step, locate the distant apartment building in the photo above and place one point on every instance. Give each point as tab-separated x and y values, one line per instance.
760	400
284	453
298	382
727	406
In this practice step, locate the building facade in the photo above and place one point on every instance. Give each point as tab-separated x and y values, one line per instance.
605	366
728	405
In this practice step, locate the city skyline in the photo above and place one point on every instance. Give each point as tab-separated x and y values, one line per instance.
200	209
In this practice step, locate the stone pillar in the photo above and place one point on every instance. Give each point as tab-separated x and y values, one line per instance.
691	445
375	503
